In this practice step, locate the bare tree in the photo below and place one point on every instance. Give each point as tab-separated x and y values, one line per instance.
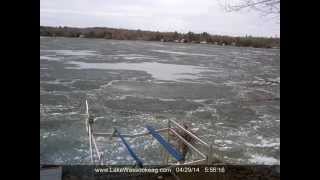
266	7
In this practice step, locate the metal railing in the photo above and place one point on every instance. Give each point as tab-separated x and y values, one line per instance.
206	155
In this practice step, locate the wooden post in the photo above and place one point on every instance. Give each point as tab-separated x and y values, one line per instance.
87	113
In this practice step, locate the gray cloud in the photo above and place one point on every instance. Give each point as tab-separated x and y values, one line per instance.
161	15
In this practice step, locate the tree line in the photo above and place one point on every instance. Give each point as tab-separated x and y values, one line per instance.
190	37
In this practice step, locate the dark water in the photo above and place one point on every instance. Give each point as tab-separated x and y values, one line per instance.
229	95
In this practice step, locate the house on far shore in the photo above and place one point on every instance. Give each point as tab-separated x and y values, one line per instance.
177	41
203	42
162	40
215	43
81	36
183	41
233	44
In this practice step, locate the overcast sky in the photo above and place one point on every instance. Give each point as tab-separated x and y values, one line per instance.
158	15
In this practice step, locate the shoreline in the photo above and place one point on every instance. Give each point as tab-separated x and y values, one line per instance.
192	43
156	36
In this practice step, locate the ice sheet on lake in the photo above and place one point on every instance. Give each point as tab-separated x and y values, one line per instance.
161	71
184	53
73	52
260	159
49	58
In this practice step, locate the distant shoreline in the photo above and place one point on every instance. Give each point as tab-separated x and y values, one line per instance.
175	37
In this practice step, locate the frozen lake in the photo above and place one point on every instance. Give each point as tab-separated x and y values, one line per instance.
229	95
